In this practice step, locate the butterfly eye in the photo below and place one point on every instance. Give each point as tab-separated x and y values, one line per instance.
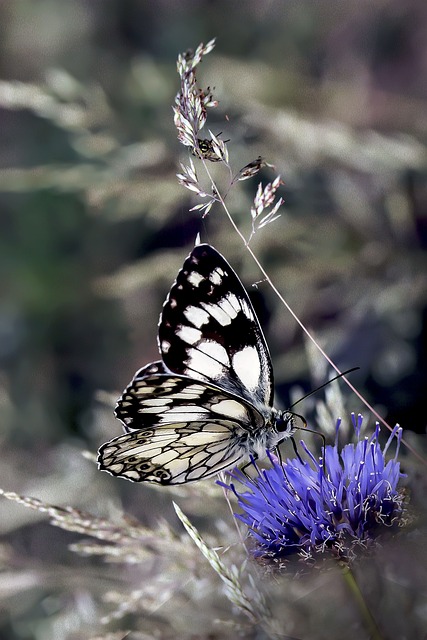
284	422
298	422
288	421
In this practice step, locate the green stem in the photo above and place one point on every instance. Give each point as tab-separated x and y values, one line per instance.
369	619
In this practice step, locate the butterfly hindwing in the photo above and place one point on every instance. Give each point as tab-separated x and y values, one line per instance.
173	454
209	331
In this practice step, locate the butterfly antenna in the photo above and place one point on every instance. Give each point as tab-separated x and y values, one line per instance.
324	385
317	433
295	448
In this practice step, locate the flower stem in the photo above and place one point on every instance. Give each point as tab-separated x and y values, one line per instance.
374	632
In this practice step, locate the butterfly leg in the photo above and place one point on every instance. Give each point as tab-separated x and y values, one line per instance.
294	445
317	433
252	461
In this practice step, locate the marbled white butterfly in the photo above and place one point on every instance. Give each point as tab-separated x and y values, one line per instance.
208	404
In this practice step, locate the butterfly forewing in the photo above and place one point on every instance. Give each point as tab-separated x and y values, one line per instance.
209	331
157	397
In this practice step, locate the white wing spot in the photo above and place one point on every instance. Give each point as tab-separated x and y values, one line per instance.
194	388
165	346
201	364
246	364
190	413
190	408
231	409
215	350
217	313
131	450
166	457
132	475
226	305
215	277
185	396
198	317
190	335
150	409
143	390
203	438
234	301
196	473
195	278
246	309
157	402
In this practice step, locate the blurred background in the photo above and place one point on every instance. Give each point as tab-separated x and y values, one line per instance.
94	227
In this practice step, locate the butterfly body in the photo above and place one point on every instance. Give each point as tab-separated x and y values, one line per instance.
208	404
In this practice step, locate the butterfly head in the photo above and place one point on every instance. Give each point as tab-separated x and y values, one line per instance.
287	422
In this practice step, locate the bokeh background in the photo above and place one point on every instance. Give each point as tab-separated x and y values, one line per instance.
94	227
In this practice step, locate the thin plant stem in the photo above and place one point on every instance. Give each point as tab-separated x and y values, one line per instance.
374	632
221	477
301	324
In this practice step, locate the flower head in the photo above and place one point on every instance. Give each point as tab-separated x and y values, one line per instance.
335	504
191	102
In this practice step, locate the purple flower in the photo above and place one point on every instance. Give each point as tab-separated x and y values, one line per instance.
308	507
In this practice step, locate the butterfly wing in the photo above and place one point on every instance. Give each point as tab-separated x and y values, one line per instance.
202	409
174	453
178	429
209	331
157	397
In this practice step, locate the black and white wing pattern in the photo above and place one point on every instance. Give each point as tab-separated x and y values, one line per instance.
178	429
207	405
208	329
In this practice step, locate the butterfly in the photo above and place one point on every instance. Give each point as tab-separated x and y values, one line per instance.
207	405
